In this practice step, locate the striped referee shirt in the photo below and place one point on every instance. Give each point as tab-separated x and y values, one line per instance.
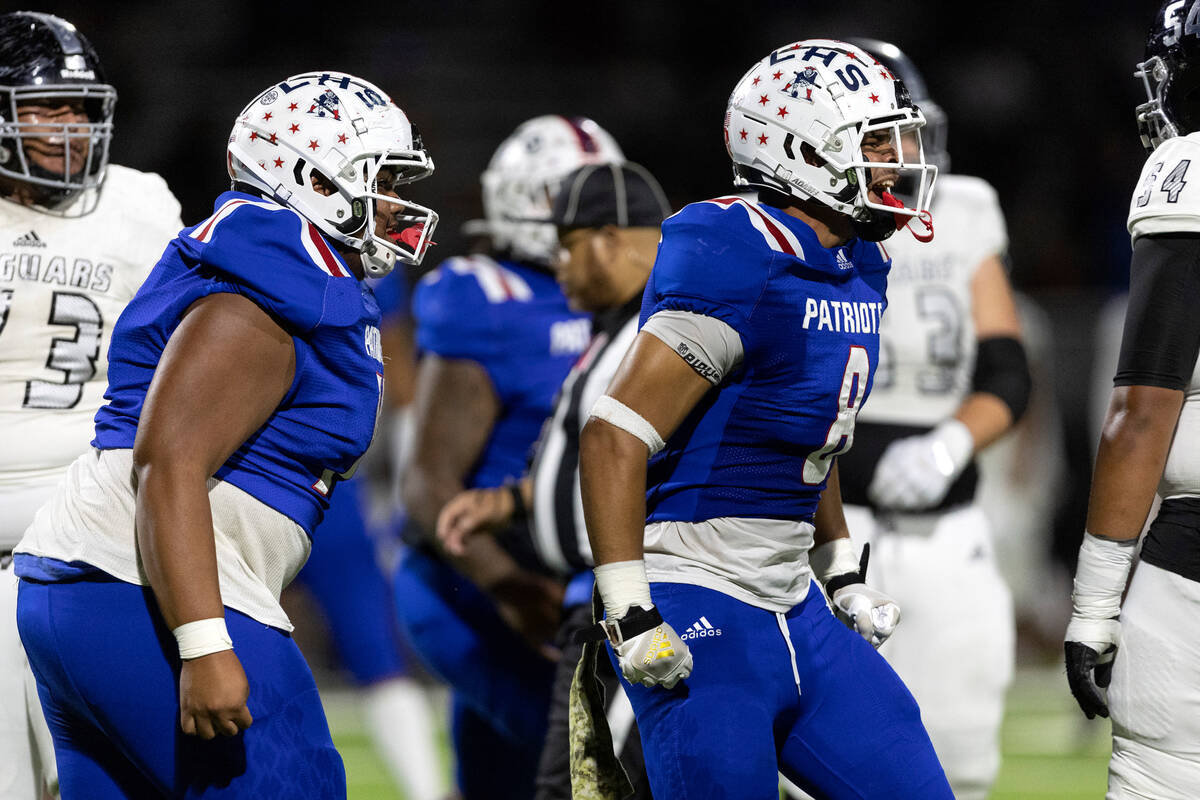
559	535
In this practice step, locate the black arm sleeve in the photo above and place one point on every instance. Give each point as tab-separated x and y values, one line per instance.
1162	324
1002	369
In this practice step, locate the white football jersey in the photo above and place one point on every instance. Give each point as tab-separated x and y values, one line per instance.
63	282
1167	200
927	336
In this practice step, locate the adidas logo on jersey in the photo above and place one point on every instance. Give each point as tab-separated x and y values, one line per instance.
843	261
700	629
30	239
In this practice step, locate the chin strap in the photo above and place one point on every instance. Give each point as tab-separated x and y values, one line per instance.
905	220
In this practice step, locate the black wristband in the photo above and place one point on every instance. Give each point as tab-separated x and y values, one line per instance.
520	511
637	620
847	578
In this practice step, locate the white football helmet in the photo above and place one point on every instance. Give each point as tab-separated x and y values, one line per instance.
345	130
525	174
825	94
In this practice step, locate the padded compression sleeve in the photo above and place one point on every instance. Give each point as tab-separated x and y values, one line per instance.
1002	369
1162	328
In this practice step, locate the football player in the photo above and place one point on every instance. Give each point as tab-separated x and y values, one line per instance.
1148	647
245	378
608	218
497	338
77	237
952	379
758	345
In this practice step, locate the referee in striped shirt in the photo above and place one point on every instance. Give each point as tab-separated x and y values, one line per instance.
608	218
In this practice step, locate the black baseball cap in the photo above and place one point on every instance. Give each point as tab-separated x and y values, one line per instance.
625	195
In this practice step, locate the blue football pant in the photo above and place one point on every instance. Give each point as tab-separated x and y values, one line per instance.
107	670
501	687
346	581
850	729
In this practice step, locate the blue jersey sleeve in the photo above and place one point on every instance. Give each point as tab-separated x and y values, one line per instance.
708	264
273	256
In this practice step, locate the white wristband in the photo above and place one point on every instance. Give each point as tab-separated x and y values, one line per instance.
833	558
1101	576
953	446
202	637
614	412
622	584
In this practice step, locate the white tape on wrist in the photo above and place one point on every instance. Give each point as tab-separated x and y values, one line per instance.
833	558
622	584
614	412
202	637
1101	576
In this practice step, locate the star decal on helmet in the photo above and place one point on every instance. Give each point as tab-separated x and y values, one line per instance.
762	138
267	117
744	134
279	162
874	97
313	144
762	101
341	138
294	128
782	112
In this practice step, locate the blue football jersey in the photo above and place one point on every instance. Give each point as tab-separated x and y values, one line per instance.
273	256
513	320
762	442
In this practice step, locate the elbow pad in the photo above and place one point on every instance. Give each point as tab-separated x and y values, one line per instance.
1001	369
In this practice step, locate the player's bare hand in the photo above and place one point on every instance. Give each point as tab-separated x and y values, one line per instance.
531	604
472	512
212	696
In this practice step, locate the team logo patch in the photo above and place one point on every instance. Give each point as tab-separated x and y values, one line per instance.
802	85
326	104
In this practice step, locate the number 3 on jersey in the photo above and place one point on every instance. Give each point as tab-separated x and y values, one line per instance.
75	356
841	431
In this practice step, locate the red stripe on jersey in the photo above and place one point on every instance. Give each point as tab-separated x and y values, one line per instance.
509	295
331	262
772	225
222	212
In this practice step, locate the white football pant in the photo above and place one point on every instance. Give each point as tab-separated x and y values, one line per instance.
955	646
26	750
1154	698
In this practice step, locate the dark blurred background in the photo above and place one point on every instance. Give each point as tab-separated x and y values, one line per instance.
1040	99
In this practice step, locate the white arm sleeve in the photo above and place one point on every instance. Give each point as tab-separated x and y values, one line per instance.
707	344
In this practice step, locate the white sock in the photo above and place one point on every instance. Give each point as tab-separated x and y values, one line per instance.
402	727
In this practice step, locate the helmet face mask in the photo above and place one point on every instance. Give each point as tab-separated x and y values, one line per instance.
525	175
318	143
827	95
55	112
1170	75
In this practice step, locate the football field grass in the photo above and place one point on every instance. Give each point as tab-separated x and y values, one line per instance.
1050	751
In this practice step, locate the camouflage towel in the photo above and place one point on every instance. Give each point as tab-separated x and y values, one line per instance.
596	772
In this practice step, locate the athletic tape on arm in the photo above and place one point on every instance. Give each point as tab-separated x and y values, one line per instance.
614	412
